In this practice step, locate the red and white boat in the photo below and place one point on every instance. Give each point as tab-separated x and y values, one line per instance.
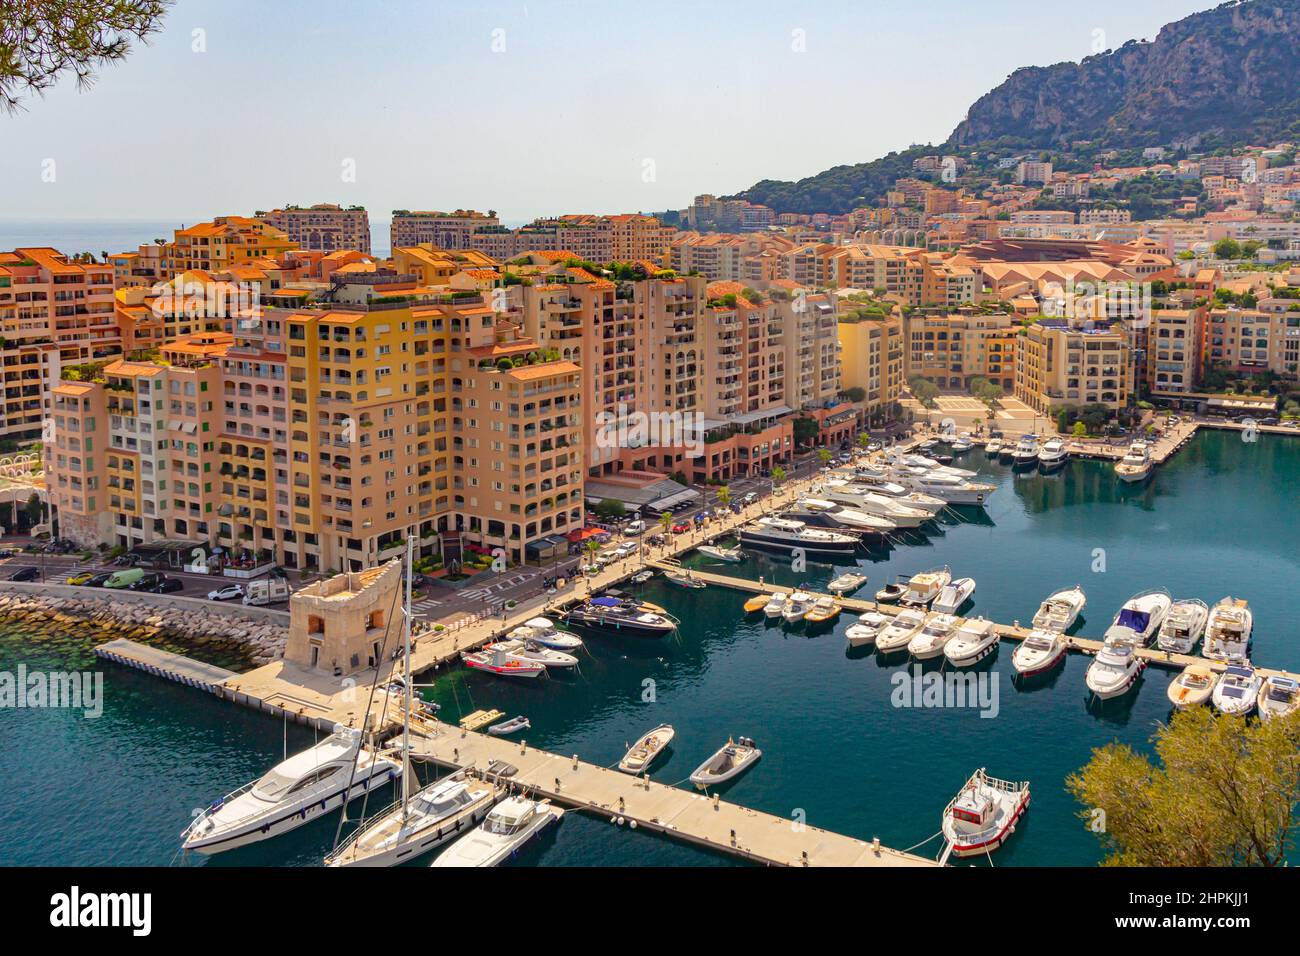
502	663
1038	653
983	815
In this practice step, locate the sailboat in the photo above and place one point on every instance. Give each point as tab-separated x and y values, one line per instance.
418	822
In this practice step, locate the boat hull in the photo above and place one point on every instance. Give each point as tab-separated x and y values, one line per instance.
979	848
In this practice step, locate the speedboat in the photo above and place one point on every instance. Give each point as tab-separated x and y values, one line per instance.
732	759
1136	464
1237	692
295	791
993	447
684	579
1227	631
776	604
1183	626
1060	610
1140	618
622	616
542	630
1026	452
641	577
1193	686
953	595
647	749
865	630
823	609
800	604
1278	696
975	640
960	445
495	659
898	633
1052	455
984	815
846	582
532	651
1038	653
930	641
1116	668
925	587
755	604
729	555
433	816
892	592
507	827
784	534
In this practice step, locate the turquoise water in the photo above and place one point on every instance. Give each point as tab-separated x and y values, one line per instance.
1215	521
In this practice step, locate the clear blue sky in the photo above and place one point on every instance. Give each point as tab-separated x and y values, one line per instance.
564	119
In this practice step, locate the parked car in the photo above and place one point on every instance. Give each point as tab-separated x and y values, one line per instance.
634	528
167	586
228	592
81	577
28	573
146	581
750	498
279	572
681	527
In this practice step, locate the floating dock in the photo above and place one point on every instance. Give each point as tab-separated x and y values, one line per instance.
165	664
645	805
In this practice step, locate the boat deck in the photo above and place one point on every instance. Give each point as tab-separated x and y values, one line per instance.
626	800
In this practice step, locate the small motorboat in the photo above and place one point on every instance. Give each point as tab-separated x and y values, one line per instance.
983	815
502	664
1136	465
823	609
776	604
961	444
1116	668
1227	631
953	595
1183	626
1237	692
1038	653
866	629
511	726
1193	686
641	577
993	447
542	630
1061	609
890	593
925	587
532	651
898	633
684	579
508	826
647	749
1278	696
846	583
797	607
732	759
930	641
729	555
975	640
755	604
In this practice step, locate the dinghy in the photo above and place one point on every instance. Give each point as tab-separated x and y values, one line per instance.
732	759
1193	686
647	749
511	726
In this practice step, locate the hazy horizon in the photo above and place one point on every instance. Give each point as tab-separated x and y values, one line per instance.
530	109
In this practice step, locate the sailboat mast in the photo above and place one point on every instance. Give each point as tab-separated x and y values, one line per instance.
407	680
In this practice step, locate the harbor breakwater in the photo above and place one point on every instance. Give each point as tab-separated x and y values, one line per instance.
229	634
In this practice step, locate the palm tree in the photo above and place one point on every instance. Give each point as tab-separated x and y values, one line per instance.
778	476
864	439
591	548
823	455
724	496
666	521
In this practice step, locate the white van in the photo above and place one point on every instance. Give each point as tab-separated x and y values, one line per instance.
267	591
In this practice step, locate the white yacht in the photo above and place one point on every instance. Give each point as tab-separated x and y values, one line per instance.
904	494
1060	610
295	791
1136	464
898	633
929	464
868	626
1038	653
1026	453
1117	666
1193	686
509	825
532	651
930	641
993	447
835	515
1140	618
961	444
542	630
924	587
1237	692
1183	626
953	595
1227	631
797	607
949	488
785	534
776	604
983	816
863	499
1278	696
975	640
1052	455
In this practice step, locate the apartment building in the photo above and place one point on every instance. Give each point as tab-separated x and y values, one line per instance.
324	227
1057	364
443	230
225	242
1173	351
952	348
636	238
872	359
54	312
1249	341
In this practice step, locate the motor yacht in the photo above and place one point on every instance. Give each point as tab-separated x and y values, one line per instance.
1052	455
1038	653
930	641
542	630
299	789
1140	618
1183	626
953	595
622	616
717	553
1237	692
948	488
1279	695
1026	452
975	640
1116	668
532	651
983	815
1060	610
863	499
993	447
1136	465
1193	686
924	587
503	663
898	633
776	604
507	827
868	626
1227	631
784	534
